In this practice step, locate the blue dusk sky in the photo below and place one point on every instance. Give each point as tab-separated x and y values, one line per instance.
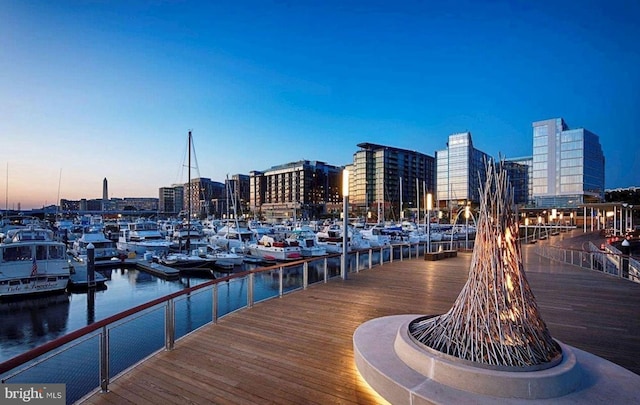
95	89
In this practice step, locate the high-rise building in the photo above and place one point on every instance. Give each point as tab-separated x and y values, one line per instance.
568	165
385	183
520	173
307	189
171	200
199	195
461	168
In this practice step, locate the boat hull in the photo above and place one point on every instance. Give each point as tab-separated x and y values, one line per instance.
271	253
33	285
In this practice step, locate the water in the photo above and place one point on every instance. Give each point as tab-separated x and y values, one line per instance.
31	322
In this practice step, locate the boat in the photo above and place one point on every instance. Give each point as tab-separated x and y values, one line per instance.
104	248
142	236
31	262
188	237
270	249
375	237
191	260
237	238
307	241
331	238
225	259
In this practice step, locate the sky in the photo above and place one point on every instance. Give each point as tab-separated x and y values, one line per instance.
100	89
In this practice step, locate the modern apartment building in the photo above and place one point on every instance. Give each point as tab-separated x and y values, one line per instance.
303	189
568	165
461	168
171	200
199	194
387	183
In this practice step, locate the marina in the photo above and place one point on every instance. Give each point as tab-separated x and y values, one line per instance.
36	320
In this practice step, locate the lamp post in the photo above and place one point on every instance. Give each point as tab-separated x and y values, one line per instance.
345	231
429	208
466	227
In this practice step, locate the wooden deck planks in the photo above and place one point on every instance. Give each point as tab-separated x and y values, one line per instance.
298	349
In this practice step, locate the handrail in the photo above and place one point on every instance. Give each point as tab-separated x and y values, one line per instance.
13	367
617	259
86	330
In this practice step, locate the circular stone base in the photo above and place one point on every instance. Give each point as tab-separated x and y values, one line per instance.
406	372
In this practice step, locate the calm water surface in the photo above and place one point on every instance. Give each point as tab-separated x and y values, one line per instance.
31	322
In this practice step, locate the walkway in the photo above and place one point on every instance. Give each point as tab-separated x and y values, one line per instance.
298	349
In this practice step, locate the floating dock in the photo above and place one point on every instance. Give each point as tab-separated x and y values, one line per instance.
156	269
78	278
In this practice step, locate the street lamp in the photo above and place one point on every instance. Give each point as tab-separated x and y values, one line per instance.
466	226
429	208
345	231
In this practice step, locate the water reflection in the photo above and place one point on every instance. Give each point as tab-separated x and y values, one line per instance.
27	323
33	322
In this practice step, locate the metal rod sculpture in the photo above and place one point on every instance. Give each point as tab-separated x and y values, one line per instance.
495	319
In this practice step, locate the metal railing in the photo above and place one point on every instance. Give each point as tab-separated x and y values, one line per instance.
86	360
609	261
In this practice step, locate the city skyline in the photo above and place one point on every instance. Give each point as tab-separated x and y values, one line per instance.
93	91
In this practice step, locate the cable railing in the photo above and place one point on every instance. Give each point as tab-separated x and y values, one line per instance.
609	261
88	359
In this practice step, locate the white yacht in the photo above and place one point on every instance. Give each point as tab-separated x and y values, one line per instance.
235	238
142	236
269	249
308	242
31	261
104	248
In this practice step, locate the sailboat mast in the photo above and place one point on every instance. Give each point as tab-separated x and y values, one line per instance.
188	244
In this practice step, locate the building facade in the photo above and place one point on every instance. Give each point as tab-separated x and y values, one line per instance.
387	183
568	165
461	168
171	200
304	189
520	173
199	197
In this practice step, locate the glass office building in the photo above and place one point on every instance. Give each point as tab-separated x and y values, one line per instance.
568	165
520	174
460	170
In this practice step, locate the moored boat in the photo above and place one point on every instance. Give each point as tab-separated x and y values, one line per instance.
31	261
142	236
104	248
269	249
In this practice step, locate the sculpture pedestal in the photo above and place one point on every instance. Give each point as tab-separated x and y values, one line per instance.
406	372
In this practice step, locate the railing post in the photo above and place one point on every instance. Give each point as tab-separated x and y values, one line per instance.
326	270
305	275
370	258
391	253
250	290
357	261
281	279
214	304
169	325
104	360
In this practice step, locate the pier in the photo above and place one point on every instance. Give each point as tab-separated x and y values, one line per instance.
299	348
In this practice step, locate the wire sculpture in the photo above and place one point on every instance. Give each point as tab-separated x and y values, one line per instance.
495	320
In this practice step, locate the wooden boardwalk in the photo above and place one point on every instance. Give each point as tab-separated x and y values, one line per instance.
298	349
